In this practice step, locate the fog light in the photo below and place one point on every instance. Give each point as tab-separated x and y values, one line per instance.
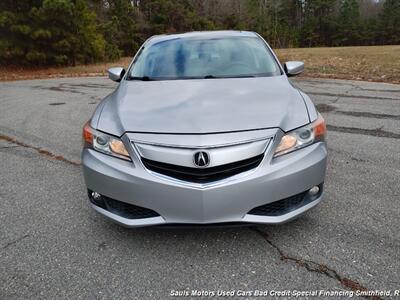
96	196
314	191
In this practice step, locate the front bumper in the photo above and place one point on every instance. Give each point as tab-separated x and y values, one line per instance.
226	201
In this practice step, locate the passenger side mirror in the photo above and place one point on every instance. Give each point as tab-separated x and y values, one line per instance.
293	68
116	74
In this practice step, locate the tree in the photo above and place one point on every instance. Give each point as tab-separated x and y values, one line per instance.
49	32
168	16
319	22
62	32
348	24
290	20
15	29
389	23
120	28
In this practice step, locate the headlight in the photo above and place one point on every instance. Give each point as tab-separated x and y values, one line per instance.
302	137
104	143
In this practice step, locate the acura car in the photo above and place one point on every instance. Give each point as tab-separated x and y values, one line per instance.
205	128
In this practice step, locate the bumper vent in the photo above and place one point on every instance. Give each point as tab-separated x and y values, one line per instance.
199	175
286	205
122	209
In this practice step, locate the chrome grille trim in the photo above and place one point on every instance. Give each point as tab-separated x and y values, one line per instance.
201	140
219	155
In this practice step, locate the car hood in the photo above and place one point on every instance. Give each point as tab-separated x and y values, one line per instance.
203	106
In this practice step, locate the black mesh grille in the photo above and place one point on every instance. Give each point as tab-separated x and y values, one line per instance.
204	175
286	205
123	209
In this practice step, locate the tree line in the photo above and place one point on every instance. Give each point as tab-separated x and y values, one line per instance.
69	32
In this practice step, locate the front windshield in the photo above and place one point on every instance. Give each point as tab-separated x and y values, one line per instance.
228	57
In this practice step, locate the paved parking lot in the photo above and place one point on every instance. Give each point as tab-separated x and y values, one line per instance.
52	245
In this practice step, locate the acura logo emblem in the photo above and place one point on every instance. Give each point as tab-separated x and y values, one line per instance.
201	159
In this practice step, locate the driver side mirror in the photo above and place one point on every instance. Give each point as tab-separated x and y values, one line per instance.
116	74
293	68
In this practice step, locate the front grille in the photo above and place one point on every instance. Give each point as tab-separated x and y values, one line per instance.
125	210
203	175
286	205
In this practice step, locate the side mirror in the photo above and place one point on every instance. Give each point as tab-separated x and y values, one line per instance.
293	68
116	74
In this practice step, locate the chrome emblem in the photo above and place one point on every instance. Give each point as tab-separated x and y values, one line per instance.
201	159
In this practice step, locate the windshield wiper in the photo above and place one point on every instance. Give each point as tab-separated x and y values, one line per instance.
229	76
142	78
210	77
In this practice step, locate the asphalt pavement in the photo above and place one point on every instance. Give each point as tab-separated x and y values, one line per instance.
53	245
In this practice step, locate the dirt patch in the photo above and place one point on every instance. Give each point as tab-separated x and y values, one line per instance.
41	151
325	108
368	115
11	73
320	268
60	88
373	132
56	103
352	96
369	63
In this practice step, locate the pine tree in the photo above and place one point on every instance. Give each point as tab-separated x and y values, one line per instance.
120	30
49	32
389	23
319	22
348	24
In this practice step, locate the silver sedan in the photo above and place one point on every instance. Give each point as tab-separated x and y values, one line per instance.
205	128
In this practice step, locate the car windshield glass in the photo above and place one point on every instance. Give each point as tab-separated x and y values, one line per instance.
204	58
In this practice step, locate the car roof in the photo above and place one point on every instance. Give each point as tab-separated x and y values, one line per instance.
200	34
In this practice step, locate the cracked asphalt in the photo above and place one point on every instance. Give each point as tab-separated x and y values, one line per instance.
53	245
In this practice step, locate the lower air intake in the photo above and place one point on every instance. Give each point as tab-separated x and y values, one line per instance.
122	209
286	205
